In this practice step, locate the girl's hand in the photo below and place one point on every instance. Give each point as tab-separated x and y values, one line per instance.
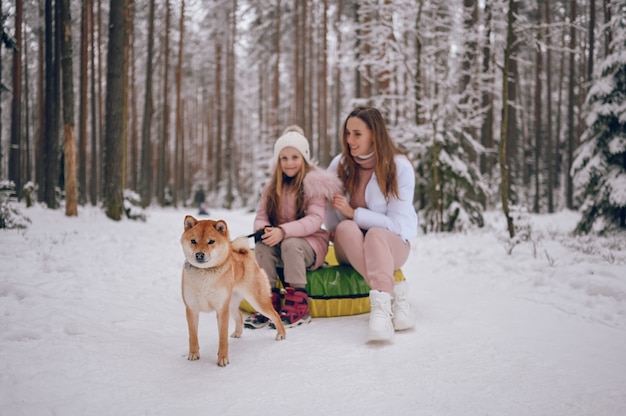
273	236
341	204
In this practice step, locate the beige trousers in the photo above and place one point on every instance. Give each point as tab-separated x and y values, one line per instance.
293	254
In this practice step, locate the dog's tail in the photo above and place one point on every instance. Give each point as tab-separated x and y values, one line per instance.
240	244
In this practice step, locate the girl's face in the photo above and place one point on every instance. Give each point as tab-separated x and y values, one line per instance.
358	137
291	161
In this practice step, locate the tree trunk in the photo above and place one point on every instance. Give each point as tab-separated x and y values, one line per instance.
322	133
306	47
99	87
164	166
487	161
274	128
417	81
569	187
230	107
27	165
40	173
538	132
504	170
132	176
115	122
71	191
1	31
50	132
608	37
336	140
82	106
512	128
15	151
94	187
469	22
299	25
305	118
146	143
218	155
548	157
179	147
591	30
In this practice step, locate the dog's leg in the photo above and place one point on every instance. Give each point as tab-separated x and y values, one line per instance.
222	326
264	305
236	314
192	322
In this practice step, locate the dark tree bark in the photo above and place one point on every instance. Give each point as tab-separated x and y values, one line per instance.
274	128
94	183
230	106
503	159
538	111
146	142
179	173
591	29
512	128
115	120
569	186
549	158
218	115
15	151
50	131
132	177
40	173
487	161
164	159
324	142
82	106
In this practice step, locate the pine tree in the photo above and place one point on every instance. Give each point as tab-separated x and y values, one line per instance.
600	165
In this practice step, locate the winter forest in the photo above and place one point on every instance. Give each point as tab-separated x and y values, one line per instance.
501	104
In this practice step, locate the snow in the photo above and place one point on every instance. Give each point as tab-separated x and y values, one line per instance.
92	323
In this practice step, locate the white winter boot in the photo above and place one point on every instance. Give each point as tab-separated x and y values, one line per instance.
380	327
401	308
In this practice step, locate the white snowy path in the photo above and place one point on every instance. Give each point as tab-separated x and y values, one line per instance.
92	323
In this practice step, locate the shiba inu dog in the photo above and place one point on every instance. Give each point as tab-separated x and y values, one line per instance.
217	274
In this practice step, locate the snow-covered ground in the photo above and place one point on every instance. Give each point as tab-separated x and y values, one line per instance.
92	323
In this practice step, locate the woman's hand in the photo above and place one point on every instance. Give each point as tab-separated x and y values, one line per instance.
341	204
273	236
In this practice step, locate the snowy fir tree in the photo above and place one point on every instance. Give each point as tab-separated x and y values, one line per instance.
451	187
600	165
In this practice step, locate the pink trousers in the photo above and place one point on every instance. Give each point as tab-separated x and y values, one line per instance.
375	254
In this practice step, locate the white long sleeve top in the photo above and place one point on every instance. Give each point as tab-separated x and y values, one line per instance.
396	214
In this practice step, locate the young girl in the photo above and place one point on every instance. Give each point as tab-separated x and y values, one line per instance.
372	224
291	213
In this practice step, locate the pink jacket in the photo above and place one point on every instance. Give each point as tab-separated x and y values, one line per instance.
319	186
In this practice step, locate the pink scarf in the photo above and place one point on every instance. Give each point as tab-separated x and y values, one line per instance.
364	171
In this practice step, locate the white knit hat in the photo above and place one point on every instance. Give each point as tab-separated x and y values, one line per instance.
293	137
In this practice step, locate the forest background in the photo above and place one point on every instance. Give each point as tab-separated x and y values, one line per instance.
143	102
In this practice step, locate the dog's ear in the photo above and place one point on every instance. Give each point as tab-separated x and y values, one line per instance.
221	227
190	222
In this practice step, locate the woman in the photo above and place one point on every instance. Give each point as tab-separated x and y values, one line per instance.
373	222
289	219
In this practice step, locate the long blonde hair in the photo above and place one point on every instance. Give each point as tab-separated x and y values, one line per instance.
280	182
384	150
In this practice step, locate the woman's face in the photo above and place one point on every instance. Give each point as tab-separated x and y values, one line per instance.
291	161
358	137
